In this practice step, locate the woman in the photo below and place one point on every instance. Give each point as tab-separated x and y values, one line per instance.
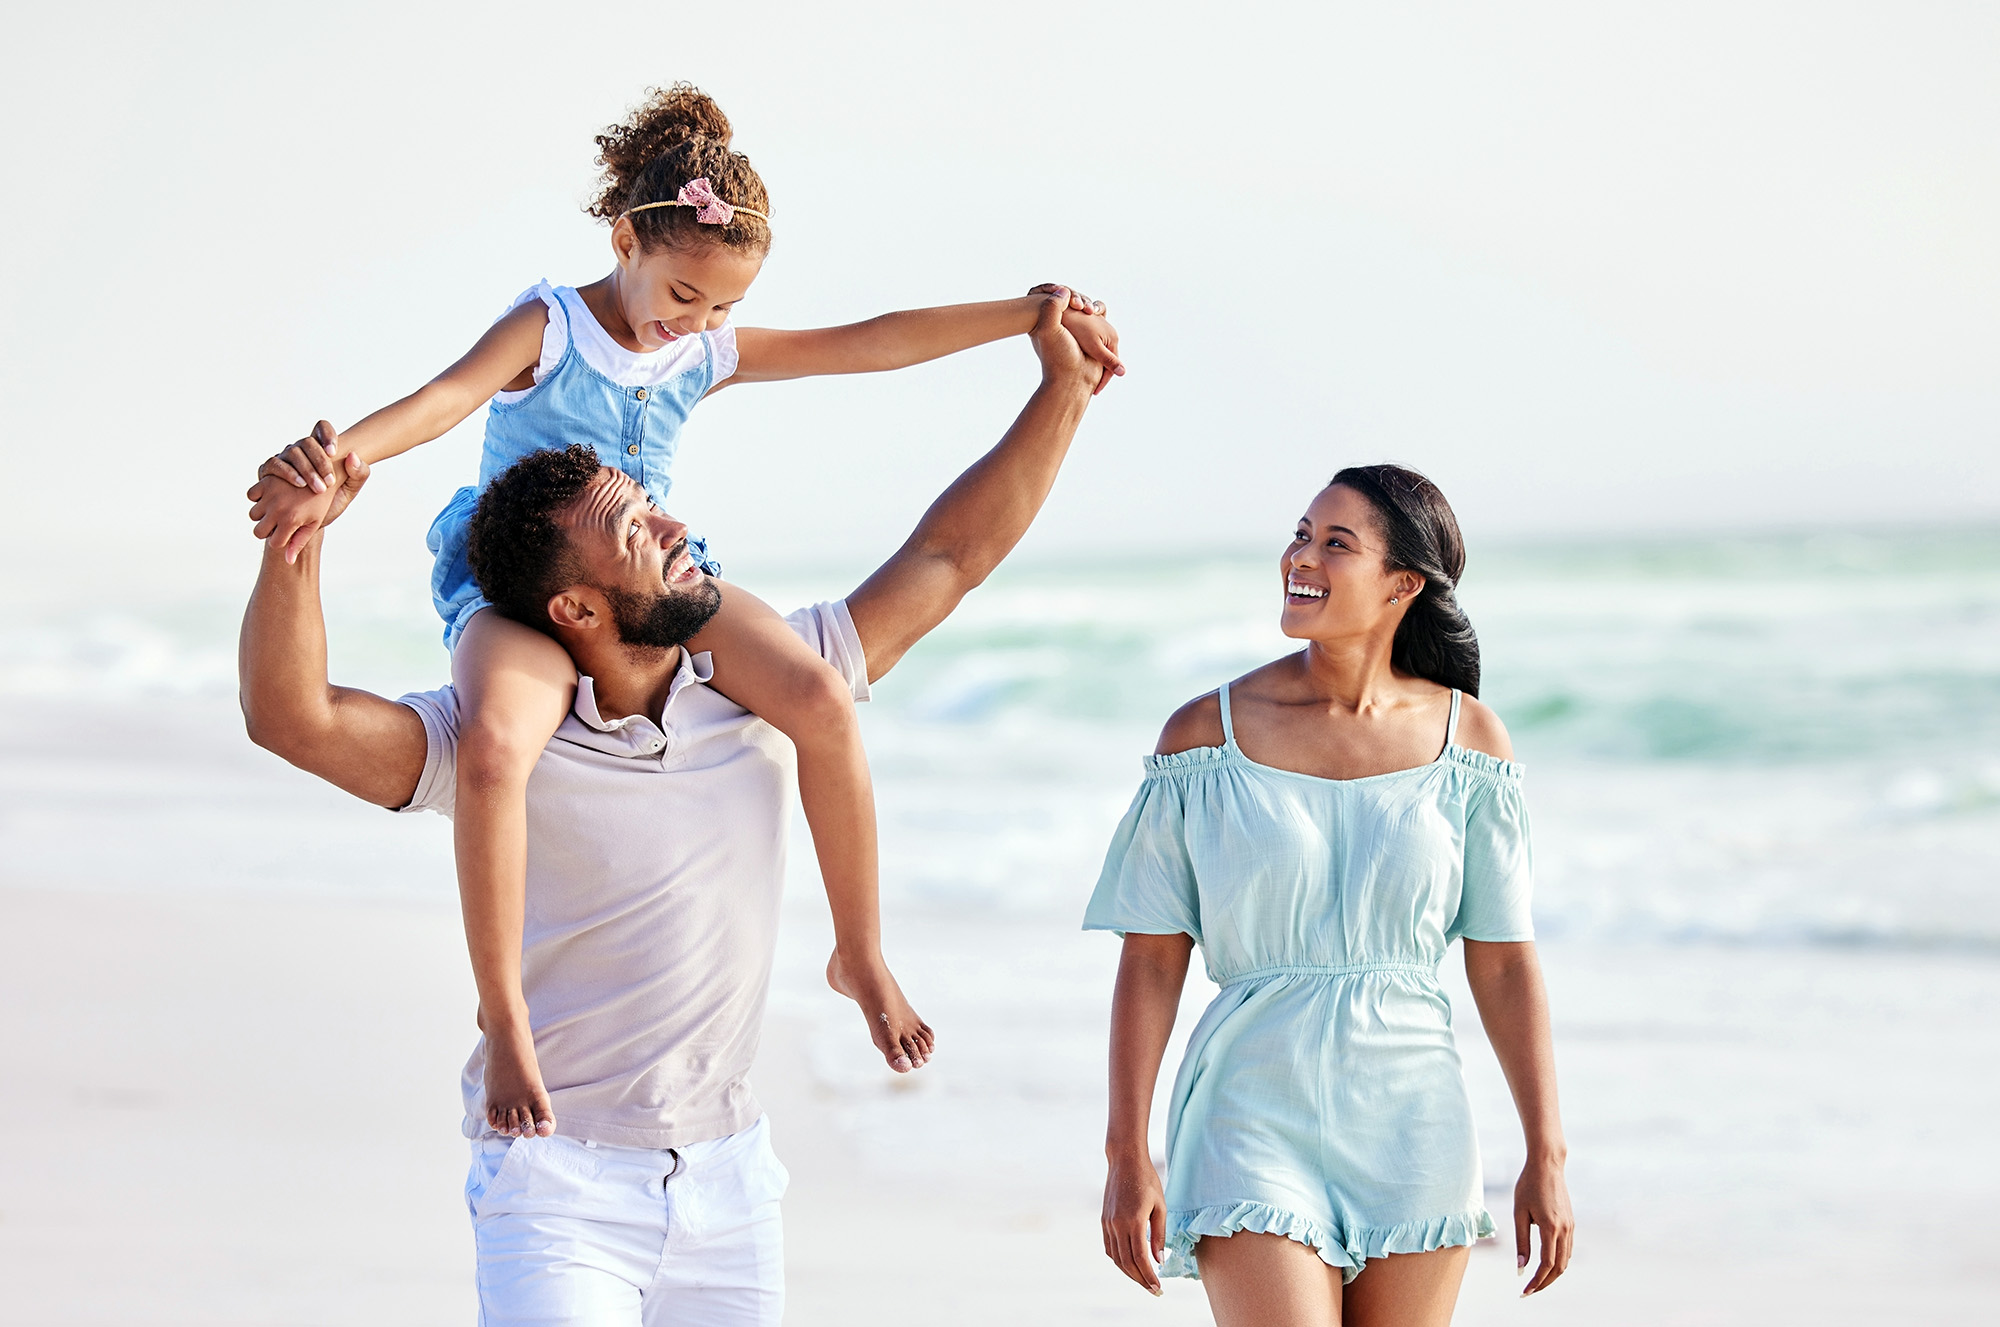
1324	828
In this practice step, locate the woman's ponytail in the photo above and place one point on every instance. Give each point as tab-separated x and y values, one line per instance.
1435	639
678	136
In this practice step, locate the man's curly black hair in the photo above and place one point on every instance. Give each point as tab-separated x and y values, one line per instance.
520	556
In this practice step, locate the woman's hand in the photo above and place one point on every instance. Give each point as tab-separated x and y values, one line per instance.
1541	1199
1135	1218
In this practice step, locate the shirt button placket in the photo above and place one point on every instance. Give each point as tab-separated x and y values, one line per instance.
637	467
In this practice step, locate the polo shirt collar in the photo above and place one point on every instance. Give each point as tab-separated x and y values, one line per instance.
634	735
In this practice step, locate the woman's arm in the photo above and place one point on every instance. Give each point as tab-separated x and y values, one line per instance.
1151	972
1506	981
913	336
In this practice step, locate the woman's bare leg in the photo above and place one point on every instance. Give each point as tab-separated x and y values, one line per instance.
1407	1289
514	686
1258	1280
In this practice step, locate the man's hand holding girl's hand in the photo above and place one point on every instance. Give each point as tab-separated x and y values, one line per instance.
1063	360
303	489
1084	320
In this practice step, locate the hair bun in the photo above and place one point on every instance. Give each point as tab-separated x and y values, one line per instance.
668	118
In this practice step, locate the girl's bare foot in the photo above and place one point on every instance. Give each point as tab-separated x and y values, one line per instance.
517	1106
904	1039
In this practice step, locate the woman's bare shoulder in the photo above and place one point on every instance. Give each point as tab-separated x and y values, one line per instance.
1199	722
1195	724
1480	729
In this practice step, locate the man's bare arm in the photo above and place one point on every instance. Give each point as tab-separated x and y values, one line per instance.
979	519
368	746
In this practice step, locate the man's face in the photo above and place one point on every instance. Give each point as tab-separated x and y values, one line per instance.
636	556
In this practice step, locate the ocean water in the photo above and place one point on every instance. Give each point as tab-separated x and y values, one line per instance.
1764	771
1782	740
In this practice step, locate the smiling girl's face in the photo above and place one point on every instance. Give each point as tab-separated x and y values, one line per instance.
1335	583
666	294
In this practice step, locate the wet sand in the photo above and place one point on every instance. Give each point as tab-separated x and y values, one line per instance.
231	1109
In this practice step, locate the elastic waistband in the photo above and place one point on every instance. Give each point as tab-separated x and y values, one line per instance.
1341	970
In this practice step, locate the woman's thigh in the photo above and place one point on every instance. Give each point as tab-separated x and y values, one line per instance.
1258	1280
1406	1290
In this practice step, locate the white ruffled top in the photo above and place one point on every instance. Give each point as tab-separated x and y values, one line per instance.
570	317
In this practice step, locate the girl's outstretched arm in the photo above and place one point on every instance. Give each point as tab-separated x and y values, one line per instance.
762	665
1506	981
294	487
1151	972
913	336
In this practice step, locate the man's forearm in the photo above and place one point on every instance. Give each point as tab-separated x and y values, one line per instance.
976	522
970	528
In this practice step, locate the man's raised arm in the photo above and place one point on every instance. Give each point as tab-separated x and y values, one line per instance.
368	746
979	519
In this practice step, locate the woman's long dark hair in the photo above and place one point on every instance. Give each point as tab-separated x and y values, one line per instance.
1435	639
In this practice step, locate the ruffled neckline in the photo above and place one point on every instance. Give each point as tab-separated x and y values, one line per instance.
1219	757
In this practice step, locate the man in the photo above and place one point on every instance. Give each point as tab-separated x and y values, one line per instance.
656	827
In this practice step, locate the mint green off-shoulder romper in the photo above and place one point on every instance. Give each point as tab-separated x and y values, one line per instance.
1321	1097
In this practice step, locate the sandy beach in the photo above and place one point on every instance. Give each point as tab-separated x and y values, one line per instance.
239	1110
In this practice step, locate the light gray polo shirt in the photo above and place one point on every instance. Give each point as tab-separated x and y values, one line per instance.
656	858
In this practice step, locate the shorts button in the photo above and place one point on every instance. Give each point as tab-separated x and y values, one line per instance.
640	394
632	450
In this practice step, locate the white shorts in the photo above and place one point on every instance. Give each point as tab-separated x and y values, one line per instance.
590	1235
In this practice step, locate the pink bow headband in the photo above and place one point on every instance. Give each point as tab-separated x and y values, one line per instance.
708	209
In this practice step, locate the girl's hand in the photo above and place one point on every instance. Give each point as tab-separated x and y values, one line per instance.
288	509
307	463
1084	319
1541	1198
1135	1218
1078	301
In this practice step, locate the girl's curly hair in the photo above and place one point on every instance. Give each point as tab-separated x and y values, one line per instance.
679	135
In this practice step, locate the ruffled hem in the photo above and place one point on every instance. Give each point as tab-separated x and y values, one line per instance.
1348	1252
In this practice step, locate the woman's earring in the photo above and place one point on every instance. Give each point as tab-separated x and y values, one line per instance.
1392	598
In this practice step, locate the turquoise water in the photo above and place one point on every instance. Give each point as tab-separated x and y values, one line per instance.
1777	650
1778	739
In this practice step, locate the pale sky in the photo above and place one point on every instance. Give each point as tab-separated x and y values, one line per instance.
1592	267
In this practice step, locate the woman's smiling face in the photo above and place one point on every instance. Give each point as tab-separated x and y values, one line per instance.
1332	573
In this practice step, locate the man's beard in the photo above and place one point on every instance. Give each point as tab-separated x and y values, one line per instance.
664	620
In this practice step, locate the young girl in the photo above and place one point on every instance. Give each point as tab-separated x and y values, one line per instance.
620	363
